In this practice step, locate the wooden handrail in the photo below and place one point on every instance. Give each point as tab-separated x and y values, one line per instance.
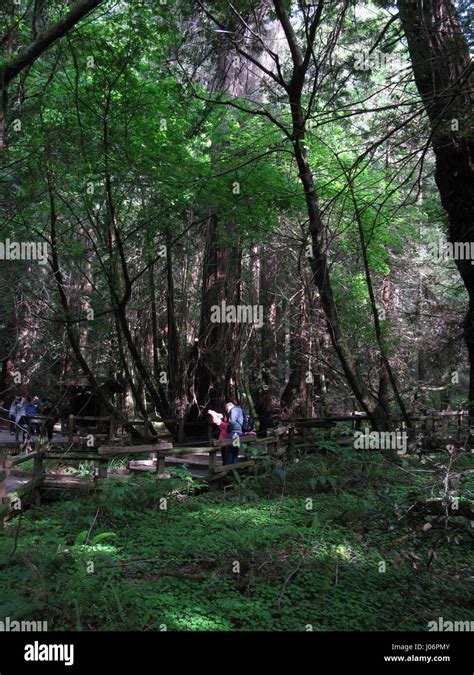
92	418
199	450
132	449
19	459
37	478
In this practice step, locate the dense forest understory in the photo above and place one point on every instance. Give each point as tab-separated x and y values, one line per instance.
333	541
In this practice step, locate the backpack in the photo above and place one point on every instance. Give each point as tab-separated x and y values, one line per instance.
247	424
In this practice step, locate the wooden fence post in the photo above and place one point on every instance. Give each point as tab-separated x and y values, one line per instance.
160	464
100	466
212	461
112	428
71	428
103	469
37	471
271	447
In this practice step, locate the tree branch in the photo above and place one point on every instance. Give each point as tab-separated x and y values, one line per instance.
53	33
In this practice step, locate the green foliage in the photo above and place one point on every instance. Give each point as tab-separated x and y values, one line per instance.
296	565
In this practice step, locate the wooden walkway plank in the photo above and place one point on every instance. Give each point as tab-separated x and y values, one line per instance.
132	449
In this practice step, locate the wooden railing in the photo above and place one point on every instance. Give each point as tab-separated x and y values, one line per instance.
356	420
276	444
14	501
423	421
72	426
72	419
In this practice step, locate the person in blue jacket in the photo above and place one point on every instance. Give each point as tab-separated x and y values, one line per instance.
235	422
31	410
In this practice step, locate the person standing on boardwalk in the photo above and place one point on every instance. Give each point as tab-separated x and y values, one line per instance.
233	424
47	409
235	429
12	414
31	410
221	423
20	418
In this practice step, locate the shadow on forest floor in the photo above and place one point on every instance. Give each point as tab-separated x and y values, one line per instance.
329	542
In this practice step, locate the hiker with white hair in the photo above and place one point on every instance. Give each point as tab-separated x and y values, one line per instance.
20	418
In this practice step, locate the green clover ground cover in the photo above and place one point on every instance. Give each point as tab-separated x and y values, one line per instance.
324	543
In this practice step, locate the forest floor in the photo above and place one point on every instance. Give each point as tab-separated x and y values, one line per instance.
332	541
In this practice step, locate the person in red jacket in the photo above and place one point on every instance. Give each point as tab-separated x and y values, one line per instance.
222	423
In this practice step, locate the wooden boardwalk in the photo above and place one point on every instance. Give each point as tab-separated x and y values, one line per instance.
202	460
18	488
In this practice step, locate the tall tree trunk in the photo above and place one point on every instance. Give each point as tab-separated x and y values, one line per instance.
420	392
219	345
386	368
444	76
174	375
268	332
218	342
294	400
